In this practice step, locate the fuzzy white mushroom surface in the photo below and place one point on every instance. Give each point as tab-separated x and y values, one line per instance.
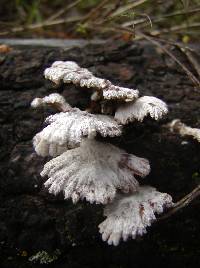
129	216
178	127
59	69
66	130
140	108
54	99
94	171
70	72
120	93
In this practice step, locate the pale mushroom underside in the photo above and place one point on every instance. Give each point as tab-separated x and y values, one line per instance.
94	171
139	109
67	130
130	215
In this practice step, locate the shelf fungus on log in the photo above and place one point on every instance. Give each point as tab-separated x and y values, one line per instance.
70	72
99	172
139	109
94	171
66	131
130	215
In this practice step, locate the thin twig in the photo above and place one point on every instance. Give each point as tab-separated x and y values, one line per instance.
41	25
109	12
187	71
174	29
158	19
117	28
185	201
63	10
177	44
192	60
94	11
127	7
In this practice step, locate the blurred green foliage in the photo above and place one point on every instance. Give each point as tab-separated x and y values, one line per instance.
30	10
89	4
155	15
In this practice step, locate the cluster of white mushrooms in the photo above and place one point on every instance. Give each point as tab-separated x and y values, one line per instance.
101	173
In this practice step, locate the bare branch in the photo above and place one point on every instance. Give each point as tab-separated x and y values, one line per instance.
95	11
64	10
158	19
185	201
186	70
193	61
127	7
40	25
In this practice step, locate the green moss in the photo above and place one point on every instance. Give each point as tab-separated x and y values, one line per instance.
196	177
44	257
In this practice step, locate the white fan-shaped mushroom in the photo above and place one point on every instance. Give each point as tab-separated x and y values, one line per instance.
129	216
54	99
70	72
66	130
140	108
94	171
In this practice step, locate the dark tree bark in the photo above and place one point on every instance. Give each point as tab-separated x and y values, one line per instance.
33	220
